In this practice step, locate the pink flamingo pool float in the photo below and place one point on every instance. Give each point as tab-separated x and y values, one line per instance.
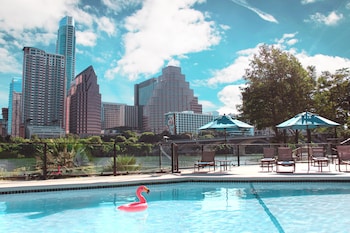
136	206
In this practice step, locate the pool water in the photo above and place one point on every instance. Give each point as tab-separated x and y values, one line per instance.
184	207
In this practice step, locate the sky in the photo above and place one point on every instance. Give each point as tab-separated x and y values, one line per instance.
213	41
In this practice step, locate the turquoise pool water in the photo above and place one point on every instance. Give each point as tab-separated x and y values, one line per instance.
184	207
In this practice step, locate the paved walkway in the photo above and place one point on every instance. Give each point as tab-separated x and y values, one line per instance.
304	172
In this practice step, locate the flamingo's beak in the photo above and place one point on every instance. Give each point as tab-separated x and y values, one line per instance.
146	190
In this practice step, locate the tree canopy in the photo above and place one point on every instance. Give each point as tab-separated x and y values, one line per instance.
278	87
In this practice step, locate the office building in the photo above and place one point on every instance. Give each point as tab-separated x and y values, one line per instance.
15	121
120	116
143	93
186	122
168	93
84	101
43	88
14	107
66	46
113	115
3	122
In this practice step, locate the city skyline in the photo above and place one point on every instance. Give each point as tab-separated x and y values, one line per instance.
128	42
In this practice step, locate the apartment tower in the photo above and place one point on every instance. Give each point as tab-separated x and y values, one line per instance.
66	46
43	88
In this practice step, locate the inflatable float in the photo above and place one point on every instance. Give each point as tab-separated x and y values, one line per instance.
136	206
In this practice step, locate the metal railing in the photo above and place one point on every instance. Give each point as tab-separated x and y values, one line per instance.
58	160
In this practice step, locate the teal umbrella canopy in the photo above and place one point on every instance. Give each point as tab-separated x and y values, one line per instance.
226	122
306	120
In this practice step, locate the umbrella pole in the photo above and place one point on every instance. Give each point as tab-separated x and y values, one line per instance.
225	135
308	157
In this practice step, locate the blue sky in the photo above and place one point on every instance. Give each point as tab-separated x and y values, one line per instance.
129	41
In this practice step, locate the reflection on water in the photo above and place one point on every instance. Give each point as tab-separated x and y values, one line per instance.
178	207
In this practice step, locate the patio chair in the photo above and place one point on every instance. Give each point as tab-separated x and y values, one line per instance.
318	157
207	160
285	158
343	156
269	158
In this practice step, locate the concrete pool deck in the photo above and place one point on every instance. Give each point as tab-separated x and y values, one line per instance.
303	172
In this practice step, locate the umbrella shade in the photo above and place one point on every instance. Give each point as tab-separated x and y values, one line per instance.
226	122
307	120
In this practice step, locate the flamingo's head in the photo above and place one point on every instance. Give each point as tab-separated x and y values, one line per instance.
143	189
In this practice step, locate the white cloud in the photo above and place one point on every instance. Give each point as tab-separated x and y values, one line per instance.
14	14
119	5
207	104
231	73
86	38
230	96
106	25
323	62
261	14
304	2
160	31
174	62
8	63
331	19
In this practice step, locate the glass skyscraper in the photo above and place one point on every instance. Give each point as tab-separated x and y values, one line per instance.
13	123
66	46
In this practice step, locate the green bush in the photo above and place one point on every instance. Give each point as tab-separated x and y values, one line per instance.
124	163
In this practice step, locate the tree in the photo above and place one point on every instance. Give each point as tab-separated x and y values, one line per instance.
278	87
332	96
148	137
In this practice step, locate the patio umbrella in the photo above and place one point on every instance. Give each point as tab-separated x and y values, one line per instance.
226	122
307	121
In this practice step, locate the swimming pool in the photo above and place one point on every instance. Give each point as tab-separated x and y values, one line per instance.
184	207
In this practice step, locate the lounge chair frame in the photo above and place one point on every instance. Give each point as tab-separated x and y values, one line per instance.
207	160
269	158
285	159
318	157
343	156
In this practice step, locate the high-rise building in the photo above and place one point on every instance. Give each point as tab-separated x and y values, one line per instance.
168	93
142	94
43	88
112	115
66	46
143	91
116	115
3	122
84	101
186	122
14	107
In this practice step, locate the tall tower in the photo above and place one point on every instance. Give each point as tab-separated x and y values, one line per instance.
66	46
43	87
14	107
171	93
84	101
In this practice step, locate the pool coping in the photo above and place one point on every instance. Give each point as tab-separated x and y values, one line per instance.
12	187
